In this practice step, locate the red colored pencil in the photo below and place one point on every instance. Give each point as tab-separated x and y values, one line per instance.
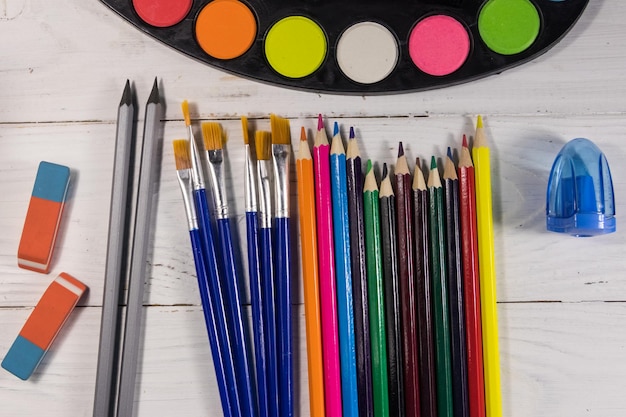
469	253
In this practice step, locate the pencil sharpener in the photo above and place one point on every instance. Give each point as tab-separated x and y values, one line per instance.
579	197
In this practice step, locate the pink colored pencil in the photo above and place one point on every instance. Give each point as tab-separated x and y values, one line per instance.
328	278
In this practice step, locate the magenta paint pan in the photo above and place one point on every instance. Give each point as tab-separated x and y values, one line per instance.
356	46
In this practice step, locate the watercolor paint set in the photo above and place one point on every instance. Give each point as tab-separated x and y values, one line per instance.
356	47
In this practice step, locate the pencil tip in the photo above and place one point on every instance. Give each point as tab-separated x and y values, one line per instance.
320	122
479	122
464	141
351	132
433	162
368	167
302	134
335	129
127	95
400	150
154	94
449	153
384	170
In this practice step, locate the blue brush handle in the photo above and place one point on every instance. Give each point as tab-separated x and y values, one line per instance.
269	297
285	348
240	335
258	320
219	362
216	296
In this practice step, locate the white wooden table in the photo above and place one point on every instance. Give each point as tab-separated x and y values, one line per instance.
562	300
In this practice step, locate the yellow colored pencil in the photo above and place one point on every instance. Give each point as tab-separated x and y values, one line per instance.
486	262
310	271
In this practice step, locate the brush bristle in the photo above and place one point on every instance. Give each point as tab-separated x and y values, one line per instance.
181	154
185	107
212	136
280	130
263	143
244	128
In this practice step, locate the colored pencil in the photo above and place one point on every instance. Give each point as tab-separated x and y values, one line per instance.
426	339
152	133
392	295
376	293
219	355
310	276
471	285
455	288
328	280
254	269
231	280
345	310
406	270
281	155
263	144
116	261
354	172
212	286
441	316
486	261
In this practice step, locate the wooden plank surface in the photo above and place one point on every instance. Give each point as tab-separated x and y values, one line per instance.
562	300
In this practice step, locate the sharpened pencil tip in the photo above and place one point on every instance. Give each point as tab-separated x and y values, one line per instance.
127	95
433	162
351	133
449	153
320	122
154	94
385	173
479	122
302	134
368	167
335	129
400	150
464	144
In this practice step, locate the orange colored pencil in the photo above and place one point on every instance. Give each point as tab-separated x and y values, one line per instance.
308	246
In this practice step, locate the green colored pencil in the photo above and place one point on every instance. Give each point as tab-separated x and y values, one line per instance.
376	294
443	363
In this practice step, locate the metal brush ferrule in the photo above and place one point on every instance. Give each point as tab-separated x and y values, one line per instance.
186	188
196	167
280	160
265	193
249	182
216	178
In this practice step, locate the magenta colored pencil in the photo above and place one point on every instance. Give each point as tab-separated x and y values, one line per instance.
328	278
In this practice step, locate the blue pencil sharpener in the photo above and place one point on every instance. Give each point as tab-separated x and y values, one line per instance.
580	191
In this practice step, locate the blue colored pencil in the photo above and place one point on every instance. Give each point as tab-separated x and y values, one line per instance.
341	232
281	151
212	135
254	271
183	171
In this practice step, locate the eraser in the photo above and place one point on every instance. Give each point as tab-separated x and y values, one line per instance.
42	326
43	217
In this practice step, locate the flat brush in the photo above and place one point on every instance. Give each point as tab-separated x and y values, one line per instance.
212	136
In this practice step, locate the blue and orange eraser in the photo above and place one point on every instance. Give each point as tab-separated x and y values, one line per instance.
43	217
42	326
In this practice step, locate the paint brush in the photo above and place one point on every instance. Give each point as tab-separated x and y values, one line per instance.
345	309
214	288
310	275
254	269
219	355
231	281
354	172
263	143
328	280
281	155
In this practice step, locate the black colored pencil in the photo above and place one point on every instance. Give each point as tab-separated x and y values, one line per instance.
392	295
428	388
359	276
455	288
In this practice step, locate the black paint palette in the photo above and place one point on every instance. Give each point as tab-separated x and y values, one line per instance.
356	46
